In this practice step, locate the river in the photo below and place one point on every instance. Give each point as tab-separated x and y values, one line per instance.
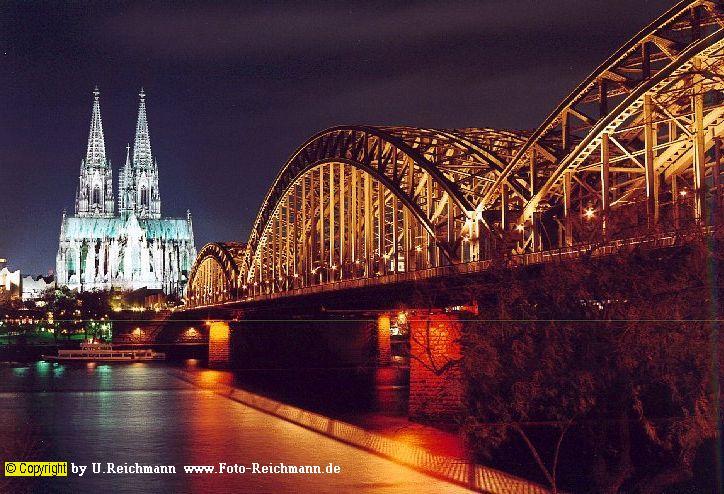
141	413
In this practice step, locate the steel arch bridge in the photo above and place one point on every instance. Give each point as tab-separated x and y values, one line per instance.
634	149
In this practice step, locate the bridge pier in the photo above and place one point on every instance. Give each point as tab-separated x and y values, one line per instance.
384	343
436	384
219	344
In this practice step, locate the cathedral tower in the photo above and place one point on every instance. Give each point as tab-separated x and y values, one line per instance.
94	197
138	183
100	250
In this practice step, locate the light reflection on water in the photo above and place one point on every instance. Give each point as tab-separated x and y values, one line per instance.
141	413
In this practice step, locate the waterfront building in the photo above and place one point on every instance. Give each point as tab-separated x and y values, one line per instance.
11	283
135	247
34	287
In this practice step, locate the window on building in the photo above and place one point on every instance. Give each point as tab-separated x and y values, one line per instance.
96	198
70	262
144	197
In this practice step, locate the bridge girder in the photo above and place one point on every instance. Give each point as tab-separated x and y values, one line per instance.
635	148
627	131
437	175
215	273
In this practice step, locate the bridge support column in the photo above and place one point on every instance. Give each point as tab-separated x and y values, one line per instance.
219	344
384	349
436	386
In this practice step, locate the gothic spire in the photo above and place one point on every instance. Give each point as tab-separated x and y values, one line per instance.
96	153
142	144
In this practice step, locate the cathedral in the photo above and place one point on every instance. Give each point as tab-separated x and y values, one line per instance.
134	247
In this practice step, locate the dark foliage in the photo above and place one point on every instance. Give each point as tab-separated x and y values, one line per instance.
605	370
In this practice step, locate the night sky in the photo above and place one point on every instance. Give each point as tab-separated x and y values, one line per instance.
233	90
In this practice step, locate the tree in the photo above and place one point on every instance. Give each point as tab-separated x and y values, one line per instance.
617	356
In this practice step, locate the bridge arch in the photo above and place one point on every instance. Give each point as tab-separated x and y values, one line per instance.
422	182
215	274
640	137
635	148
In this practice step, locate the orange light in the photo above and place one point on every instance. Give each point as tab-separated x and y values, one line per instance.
402	318
589	213
520	228
682	193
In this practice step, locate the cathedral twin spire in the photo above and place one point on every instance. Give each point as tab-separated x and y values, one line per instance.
138	181
142	144
96	154
94	196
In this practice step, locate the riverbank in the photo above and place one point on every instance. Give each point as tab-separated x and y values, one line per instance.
423	448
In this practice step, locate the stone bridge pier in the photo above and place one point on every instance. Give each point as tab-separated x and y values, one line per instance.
435	385
436	379
219	344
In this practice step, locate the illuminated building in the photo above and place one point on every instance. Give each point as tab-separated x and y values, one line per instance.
100	249
11	282
33	287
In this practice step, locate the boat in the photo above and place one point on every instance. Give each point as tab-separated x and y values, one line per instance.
92	351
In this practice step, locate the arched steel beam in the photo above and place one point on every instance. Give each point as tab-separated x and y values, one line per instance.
417	212
630	104
325	147
486	156
650	34
220	252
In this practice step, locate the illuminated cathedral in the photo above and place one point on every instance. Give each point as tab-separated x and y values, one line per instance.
101	248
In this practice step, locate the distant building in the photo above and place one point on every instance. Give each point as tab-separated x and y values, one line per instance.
134	248
11	284
33	287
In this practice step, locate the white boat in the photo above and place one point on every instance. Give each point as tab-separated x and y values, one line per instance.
104	352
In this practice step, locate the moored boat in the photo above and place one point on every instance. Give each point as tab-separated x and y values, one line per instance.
104	352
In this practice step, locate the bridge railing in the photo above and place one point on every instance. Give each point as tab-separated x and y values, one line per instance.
650	240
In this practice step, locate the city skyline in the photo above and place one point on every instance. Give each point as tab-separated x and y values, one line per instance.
229	108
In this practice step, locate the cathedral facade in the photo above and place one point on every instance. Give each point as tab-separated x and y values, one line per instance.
131	248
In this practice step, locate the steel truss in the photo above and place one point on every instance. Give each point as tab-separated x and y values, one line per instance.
215	272
635	148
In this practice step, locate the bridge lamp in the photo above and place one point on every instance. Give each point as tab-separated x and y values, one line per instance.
386	256
589	213
334	267
683	193
418	248
296	275
520	227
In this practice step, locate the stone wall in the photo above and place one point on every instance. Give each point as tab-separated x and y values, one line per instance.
436	385
219	344
384	347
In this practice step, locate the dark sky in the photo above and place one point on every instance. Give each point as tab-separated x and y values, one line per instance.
232	90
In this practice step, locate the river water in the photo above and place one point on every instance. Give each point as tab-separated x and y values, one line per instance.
141	413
